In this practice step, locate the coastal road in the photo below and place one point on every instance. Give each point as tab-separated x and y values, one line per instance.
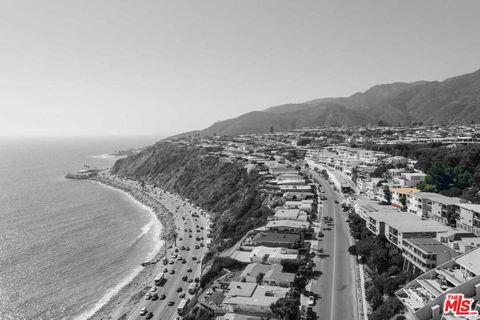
335	289
160	308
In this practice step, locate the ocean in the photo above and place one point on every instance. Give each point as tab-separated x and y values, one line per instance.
66	246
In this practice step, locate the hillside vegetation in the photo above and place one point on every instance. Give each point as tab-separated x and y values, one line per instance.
225	188
455	100
451	170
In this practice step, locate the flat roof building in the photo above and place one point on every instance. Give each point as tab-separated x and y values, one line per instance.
287	226
251	298
397	226
425	296
423	254
290	214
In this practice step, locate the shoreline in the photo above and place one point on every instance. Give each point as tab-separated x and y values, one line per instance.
119	304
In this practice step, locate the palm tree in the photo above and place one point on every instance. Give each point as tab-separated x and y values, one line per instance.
285	308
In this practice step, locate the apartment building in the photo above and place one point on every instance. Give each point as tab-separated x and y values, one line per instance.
410	179
469	218
424	297
399	196
363	206
423	254
398	226
432	205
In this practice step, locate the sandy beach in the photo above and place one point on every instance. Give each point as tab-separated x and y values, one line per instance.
124	301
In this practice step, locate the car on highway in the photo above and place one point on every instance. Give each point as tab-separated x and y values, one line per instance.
189	270
182	295
179	289
185	278
194	258
149	315
143	311
190	280
347	220
188	249
184	261
201	245
336	201
171	303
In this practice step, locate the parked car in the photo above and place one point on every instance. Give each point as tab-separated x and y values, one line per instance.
143	311
311	300
149	315
148	296
155	297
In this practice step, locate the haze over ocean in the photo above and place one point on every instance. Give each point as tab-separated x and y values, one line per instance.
65	244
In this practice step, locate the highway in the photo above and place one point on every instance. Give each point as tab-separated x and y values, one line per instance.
335	289
160	308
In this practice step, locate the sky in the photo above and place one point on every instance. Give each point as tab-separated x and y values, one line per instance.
139	67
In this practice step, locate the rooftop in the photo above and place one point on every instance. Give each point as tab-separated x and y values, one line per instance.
407	222
287	224
437	197
276	237
430	245
471	261
405	190
254	269
260	295
470	206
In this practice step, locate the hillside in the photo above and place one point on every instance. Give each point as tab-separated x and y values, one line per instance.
225	188
454	100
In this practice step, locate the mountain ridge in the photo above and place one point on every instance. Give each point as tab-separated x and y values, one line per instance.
456	99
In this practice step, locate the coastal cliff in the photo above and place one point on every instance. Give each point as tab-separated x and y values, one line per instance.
225	188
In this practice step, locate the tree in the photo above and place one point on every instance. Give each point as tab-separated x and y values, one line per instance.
387	194
285	308
452	216
304	141
354	175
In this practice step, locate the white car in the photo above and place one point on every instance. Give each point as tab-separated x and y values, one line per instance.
143	311
311	301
